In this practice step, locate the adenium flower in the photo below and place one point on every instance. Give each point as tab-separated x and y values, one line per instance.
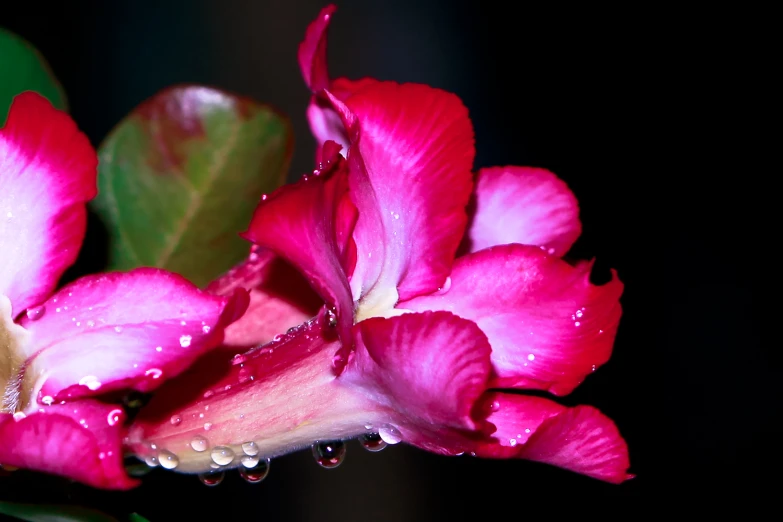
445	299
100	334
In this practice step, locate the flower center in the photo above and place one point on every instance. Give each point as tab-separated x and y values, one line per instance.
12	340
378	303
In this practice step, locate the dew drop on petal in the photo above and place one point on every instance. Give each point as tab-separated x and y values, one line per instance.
250	448
390	434
222	455
19	415
207	426
114	416
36	312
257	473
155	373
212	478
329	454
118	329
90	381
199	443
331	317
175	420
372	442
205	329
184	341
249	461
167	459
151	461
531	357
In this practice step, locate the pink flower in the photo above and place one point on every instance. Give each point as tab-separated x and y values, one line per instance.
103	333
413	344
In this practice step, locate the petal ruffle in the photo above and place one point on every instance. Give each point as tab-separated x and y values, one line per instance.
280	298
410	174
303	224
47	174
312	51
123	330
579	439
525	205
548	326
429	367
79	440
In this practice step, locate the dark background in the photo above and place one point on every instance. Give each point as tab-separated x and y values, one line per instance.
619	103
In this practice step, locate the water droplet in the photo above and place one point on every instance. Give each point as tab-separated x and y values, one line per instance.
118	329
151	461
222	455
593	368
238	359
390	434
90	323
90	381
184	341
577	323
244	375
168	460
250	448
264	196
579	313
36	312
446	285
155	373
331	317
531	357
257	473
199	443
249	461
205	329
372	442
114	416
512	442
494	406
329	454
207	426
158	348
19	415
175	420
48	400
212	478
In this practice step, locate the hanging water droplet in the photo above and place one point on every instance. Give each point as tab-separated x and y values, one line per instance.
212	478
256	474
249	461
35	312
199	443
329	454
175	420
390	434
222	455
250	448
168	460
331	317
372	442
151	460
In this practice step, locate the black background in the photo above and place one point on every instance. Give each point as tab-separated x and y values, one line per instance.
621	104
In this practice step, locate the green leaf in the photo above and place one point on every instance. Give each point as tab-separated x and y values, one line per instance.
53	513
22	68
179	178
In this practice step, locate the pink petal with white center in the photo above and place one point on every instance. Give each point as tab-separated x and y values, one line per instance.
47	174
280	298
579	439
79	440
410	174
123	330
524	205
548	326
430	367
300	222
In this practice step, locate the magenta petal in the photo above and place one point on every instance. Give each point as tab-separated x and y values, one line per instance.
124	330
549	327
410	173
280	298
430	367
312	51
47	174
525	205
79	440
300	223
580	439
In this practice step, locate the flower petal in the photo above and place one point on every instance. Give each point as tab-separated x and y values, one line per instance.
410	174
579	439
430	367
312	51
47	173
549	327
524	205
301	223
280	298
79	440
124	330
